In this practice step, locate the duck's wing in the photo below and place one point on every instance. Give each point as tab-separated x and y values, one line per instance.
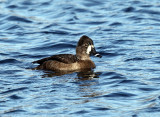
64	58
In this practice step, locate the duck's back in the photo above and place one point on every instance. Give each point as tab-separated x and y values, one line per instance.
64	62
64	58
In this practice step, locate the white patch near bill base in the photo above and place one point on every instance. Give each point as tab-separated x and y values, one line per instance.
89	49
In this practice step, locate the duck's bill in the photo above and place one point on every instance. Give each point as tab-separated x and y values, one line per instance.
97	55
93	52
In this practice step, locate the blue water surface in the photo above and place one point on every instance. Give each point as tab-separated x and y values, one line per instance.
126	80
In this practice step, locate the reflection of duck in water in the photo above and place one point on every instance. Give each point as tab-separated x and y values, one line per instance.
81	75
69	62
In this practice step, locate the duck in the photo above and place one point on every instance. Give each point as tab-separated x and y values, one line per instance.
70	62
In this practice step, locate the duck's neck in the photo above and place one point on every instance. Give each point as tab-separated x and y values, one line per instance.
83	57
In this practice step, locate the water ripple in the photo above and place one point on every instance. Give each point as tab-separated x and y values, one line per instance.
14	90
18	19
119	94
7	61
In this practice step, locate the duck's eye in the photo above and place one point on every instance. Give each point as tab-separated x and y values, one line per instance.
89	43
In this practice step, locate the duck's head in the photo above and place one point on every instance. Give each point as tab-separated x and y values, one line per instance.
85	48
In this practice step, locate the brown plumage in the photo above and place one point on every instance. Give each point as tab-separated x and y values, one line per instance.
69	62
65	58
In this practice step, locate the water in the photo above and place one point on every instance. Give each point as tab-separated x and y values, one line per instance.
126	80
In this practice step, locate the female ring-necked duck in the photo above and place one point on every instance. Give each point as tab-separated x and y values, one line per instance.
69	62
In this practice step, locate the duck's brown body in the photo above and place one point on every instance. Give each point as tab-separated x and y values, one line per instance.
69	62
59	66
